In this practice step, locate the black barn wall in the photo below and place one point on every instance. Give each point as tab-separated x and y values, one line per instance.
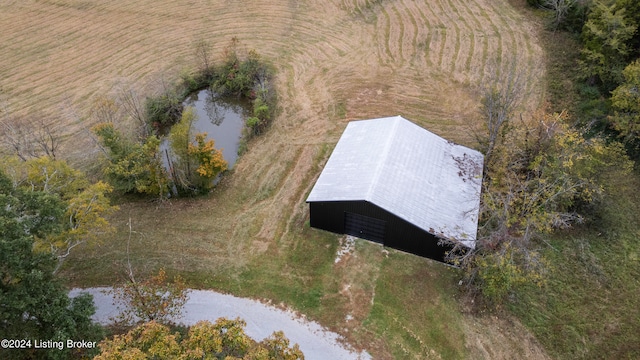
399	234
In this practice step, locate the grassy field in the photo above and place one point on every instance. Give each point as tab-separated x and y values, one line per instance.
336	61
590	307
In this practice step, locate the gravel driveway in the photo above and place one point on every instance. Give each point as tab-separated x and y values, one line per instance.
262	320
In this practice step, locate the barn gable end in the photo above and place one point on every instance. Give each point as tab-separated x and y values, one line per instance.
390	173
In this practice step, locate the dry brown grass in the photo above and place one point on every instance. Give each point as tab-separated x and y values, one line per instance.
336	60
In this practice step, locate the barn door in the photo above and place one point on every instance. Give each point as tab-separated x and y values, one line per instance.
364	227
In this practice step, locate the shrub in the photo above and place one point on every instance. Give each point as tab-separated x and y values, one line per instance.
133	167
163	110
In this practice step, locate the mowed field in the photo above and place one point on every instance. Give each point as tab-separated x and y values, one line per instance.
336	61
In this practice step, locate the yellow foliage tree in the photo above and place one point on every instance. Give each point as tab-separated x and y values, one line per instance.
224	339
86	205
210	160
540	177
85	221
198	162
152	299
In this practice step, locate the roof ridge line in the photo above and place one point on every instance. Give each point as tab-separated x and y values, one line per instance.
384	155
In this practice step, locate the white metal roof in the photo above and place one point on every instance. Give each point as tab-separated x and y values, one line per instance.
408	171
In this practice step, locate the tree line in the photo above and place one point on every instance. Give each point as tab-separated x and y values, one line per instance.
609	64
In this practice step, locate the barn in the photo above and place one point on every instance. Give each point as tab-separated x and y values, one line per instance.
392	182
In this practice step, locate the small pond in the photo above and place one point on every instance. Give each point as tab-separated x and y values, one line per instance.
221	118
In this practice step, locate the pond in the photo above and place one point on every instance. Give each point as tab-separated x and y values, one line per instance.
221	118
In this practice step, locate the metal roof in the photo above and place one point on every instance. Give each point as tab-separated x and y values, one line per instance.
408	171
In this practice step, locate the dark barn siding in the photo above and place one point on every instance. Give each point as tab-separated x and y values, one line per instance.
399	234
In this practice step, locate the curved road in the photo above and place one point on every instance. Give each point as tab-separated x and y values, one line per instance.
262	320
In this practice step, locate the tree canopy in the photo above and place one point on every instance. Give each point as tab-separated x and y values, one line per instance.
626	103
81	207
224	339
606	36
33	303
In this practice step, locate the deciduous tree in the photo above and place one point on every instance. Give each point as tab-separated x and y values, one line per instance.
209	159
133	167
198	162
541	177
33	304
559	8
85	221
625	100
224	339
606	36
152	299
501	94
85	205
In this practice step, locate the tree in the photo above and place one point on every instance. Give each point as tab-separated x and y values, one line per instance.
154	299
133	167
180	138
85	205
224	339
606	36
131	103
632	11
85	221
29	138
196	164
210	160
625	100
53	176
500	96
559	8
33	304
202	54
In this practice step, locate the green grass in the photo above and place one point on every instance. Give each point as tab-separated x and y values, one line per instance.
416	309
590	308
562	51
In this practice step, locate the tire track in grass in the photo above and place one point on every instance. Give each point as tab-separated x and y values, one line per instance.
441	32
415	31
519	54
496	35
458	39
453	43
468	37
425	40
399	41
506	53
473	73
384	46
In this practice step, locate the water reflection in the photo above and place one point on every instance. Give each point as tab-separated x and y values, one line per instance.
222	119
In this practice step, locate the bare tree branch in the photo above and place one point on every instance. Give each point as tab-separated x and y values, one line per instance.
559	8
501	94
